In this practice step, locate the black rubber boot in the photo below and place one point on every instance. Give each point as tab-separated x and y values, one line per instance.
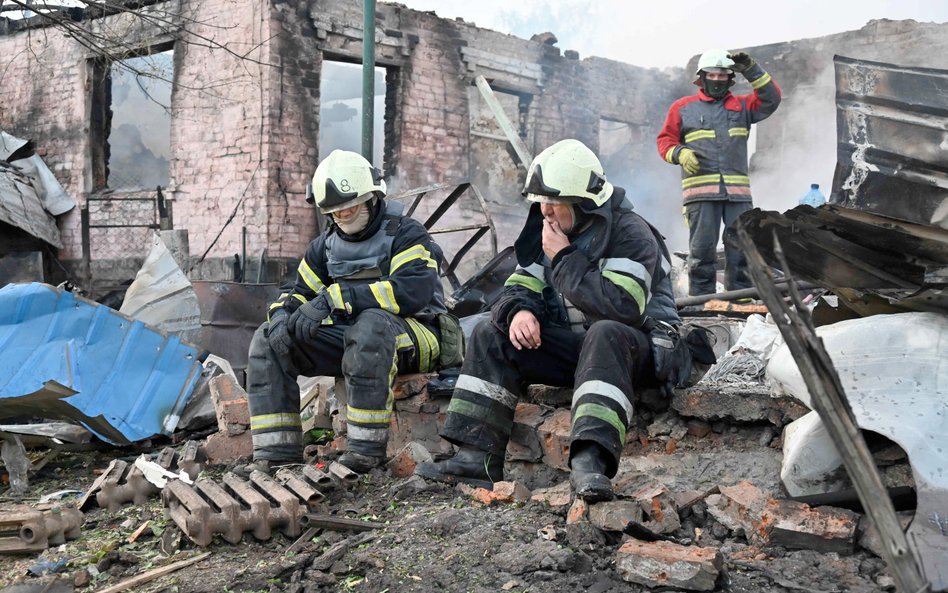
359	463
469	465
587	476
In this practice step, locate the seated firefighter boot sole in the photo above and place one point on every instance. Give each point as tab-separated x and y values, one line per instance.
591	487
440	473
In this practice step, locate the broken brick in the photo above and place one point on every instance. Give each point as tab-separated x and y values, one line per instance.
408	385
422	428
615	515
511	492
222	448
524	443
557	496
664	564
503	492
659	507
793	524
554	439
230	405
403	463
738	507
578	512
698	428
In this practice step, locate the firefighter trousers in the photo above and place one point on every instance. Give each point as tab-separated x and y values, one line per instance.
604	365
368	352
704	227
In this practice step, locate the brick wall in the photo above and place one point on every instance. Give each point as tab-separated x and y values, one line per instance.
245	116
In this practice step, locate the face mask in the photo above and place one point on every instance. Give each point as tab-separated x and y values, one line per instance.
357	222
715	88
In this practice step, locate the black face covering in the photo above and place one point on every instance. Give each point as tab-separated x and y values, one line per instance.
715	88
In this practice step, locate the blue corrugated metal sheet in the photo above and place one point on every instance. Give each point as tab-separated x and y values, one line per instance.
63	357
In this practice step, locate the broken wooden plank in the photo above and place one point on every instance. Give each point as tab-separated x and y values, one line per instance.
523	153
829	400
153	574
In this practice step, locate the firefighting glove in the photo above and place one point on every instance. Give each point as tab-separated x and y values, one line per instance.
670	355
688	161
278	335
742	61
305	321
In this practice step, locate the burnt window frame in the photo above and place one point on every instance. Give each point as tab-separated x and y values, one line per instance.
100	107
391	118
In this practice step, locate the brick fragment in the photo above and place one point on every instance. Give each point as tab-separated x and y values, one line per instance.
738	507
658	508
409	385
230	405
615	515
403	463
664	564
557	496
554	439
578	512
793	524
223	448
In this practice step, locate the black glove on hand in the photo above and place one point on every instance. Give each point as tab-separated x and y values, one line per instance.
742	61
305	321
670	355
278	335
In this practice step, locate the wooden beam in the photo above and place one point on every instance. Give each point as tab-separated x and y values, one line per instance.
153	574
509	130
829	400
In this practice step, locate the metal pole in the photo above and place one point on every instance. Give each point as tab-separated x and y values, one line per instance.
368	77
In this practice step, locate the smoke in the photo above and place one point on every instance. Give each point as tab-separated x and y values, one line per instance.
796	146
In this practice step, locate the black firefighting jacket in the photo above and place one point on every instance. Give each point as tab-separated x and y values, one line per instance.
616	268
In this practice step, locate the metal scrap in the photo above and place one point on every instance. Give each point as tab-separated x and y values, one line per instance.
207	508
30	530
66	358
122	482
891	146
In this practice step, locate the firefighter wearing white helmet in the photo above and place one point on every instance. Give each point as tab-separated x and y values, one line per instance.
591	281
367	290
706	135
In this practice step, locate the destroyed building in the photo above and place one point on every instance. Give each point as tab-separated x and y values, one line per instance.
260	92
262	89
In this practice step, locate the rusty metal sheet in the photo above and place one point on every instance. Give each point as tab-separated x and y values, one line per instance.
230	313
892	126
63	357
21	207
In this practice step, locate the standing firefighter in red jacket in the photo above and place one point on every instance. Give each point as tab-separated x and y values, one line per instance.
706	134
592	277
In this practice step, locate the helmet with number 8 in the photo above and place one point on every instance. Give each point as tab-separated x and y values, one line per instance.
345	179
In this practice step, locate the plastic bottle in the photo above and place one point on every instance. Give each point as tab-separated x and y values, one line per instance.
813	197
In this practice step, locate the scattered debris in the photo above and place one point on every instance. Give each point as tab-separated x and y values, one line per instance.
30	530
162	297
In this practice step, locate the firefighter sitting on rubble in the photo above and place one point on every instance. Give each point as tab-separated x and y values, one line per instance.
592	279
367	304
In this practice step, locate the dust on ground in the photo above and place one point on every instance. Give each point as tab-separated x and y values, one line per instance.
436	538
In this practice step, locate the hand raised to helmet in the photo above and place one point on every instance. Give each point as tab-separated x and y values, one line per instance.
742	61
